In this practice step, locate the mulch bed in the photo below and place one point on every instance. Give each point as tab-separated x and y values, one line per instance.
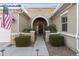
59	51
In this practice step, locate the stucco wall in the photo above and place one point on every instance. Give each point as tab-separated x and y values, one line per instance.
71	20
71	29
46	12
70	42
14	28
24	22
57	21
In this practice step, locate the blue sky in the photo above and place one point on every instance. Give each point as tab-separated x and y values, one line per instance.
37	4
40	4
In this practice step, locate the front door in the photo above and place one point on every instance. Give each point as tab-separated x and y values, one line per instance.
39	25
40	29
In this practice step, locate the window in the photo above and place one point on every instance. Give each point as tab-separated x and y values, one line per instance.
64	22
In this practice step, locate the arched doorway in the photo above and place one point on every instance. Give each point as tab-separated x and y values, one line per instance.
39	25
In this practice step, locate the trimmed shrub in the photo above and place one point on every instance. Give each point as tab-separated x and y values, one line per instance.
56	40
27	30
23	41
51	28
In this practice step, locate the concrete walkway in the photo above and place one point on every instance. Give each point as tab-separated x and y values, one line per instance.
15	51
28	51
40	44
18	51
31	51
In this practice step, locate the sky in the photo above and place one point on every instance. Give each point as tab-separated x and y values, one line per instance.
36	4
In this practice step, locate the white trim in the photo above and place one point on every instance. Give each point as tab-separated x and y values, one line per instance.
18	23
66	8
67	34
38	7
20	33
24	10
47	31
38	17
64	13
54	33
61	15
11	7
77	29
57	8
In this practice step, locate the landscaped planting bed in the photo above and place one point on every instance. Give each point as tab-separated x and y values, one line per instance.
23	41
56	40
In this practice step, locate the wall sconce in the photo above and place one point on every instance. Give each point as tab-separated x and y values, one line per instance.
13	20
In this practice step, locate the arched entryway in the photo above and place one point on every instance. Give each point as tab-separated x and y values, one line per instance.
39	25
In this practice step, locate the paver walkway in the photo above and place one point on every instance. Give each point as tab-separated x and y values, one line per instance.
40	44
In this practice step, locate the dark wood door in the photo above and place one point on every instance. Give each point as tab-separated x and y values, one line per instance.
40	29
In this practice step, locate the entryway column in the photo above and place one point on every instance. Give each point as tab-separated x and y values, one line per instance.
47	34
37	29
32	36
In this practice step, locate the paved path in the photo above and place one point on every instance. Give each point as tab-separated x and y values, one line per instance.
18	51
40	44
28	51
31	51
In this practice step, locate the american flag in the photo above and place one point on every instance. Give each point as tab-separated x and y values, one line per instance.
6	22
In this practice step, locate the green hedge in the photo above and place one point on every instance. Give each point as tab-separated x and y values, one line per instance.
27	30
56	40
51	28
23	41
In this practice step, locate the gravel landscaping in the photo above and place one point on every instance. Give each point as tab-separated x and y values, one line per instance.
59	51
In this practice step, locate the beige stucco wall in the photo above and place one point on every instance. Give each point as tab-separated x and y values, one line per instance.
24	22
14	26
57	21
70	41
40	12
46	12
71	20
